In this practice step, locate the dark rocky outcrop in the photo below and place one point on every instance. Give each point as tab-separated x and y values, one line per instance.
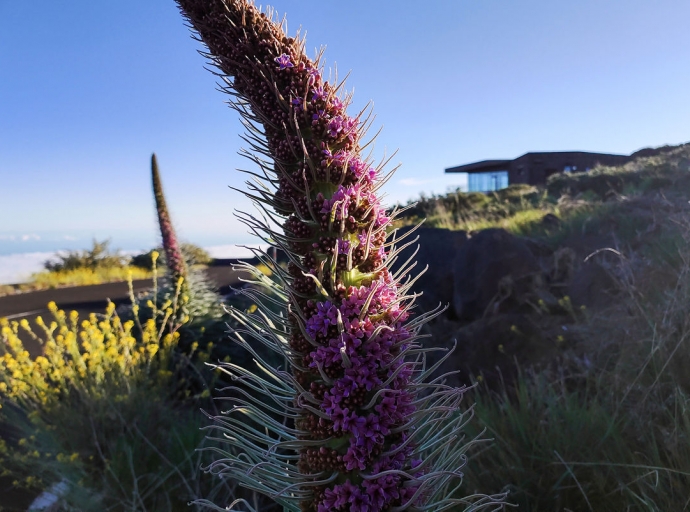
492	265
512	299
490	347
437	250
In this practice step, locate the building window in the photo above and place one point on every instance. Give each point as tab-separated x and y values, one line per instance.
568	169
487	181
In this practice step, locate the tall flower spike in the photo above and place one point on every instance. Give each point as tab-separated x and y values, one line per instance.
352	422
173	253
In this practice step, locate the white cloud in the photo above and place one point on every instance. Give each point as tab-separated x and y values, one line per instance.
233	251
17	268
31	236
69	237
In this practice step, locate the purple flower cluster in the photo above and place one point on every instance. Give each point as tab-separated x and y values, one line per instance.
356	334
347	320
373	494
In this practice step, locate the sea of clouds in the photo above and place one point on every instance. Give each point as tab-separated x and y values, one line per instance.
17	268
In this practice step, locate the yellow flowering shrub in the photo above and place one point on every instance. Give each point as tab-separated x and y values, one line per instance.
89	357
96	373
109	406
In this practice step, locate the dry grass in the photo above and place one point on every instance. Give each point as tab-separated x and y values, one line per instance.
78	277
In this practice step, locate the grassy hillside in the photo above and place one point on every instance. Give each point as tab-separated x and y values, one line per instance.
580	202
603	423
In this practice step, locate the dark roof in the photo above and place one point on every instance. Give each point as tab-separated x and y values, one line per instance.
569	153
478	165
490	165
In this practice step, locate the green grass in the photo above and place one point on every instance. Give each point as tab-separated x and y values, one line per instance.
131	390
587	449
582	201
607	426
473	211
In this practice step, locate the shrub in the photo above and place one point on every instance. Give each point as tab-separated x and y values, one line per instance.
475	210
89	412
98	257
88	267
644	174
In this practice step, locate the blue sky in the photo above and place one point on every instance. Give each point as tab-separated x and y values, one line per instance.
89	89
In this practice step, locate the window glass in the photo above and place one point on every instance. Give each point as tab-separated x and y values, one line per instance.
487	181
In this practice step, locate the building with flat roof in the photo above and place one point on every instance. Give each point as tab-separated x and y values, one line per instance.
532	168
